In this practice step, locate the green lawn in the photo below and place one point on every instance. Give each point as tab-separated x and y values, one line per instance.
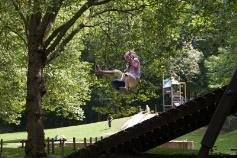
224	143
79	132
12	146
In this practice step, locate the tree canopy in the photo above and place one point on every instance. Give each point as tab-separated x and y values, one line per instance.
48	50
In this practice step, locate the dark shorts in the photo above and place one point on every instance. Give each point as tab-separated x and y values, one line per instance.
117	84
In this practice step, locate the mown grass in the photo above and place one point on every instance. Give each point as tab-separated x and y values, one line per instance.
79	132
226	140
224	143
12	146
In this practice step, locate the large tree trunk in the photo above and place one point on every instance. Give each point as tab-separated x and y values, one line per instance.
35	90
35	140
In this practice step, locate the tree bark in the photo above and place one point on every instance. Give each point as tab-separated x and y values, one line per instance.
35	90
35	140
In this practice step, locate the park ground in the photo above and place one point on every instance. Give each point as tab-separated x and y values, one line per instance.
225	142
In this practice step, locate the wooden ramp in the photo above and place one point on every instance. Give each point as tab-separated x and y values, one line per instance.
157	130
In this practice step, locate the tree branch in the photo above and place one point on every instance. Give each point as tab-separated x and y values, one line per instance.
14	2
35	17
66	40
17	8
61	30
117	10
99	2
53	52
18	34
49	17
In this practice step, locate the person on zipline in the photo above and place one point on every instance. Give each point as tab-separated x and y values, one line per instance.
131	75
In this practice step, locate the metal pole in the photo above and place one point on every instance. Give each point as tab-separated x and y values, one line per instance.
90	140
163	95
85	144
185	93
226	104
1	148
171	95
74	143
52	145
62	147
48	145
180	94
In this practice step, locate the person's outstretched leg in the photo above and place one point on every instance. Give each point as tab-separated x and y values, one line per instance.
117	84
126	84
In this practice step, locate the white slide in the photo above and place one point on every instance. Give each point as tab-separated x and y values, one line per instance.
137	118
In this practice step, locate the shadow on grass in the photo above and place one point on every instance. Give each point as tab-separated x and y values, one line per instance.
20	152
13	153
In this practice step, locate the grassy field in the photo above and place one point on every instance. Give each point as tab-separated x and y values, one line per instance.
224	143
226	140
79	132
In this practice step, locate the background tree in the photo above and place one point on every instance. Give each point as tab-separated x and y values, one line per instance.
45	31
12	66
222	64
13	74
38	32
178	33
158	35
221	67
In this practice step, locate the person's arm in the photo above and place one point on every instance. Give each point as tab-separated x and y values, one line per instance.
99	71
106	72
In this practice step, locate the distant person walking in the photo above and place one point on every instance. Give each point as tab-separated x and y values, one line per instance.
109	119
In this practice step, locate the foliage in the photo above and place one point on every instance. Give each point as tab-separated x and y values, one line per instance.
12	89
12	66
186	63
65	96
157	34
163	33
48	30
221	67
68	84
